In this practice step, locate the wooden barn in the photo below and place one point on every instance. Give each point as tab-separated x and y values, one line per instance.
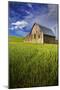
40	34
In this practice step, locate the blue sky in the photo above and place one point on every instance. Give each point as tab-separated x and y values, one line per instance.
22	16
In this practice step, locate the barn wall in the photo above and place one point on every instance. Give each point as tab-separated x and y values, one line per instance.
34	38
49	39
56	41
38	38
37	34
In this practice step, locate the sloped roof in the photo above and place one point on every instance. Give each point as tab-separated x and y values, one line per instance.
45	30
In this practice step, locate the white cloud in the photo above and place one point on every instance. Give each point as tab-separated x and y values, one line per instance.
27	12
19	24
30	16
16	27
12	28
30	5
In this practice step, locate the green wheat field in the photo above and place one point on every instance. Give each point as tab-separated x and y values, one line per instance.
32	64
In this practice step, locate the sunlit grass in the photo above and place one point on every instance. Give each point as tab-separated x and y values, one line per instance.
32	64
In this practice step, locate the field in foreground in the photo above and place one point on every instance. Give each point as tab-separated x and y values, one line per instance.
32	65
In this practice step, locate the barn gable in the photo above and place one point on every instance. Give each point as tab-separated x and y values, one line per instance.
45	30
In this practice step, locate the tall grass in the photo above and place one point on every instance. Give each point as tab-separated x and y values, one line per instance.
32	65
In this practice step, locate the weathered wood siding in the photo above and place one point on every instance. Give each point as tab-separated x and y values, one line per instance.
49	39
36	36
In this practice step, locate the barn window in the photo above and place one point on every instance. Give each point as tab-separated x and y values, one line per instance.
38	36
34	36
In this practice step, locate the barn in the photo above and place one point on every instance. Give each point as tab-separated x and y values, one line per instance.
40	34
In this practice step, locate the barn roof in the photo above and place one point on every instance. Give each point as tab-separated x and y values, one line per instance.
45	30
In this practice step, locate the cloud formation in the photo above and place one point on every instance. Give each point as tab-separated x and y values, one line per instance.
30	5
19	24
22	16
53	12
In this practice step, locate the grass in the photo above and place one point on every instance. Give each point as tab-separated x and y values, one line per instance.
32	65
15	39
